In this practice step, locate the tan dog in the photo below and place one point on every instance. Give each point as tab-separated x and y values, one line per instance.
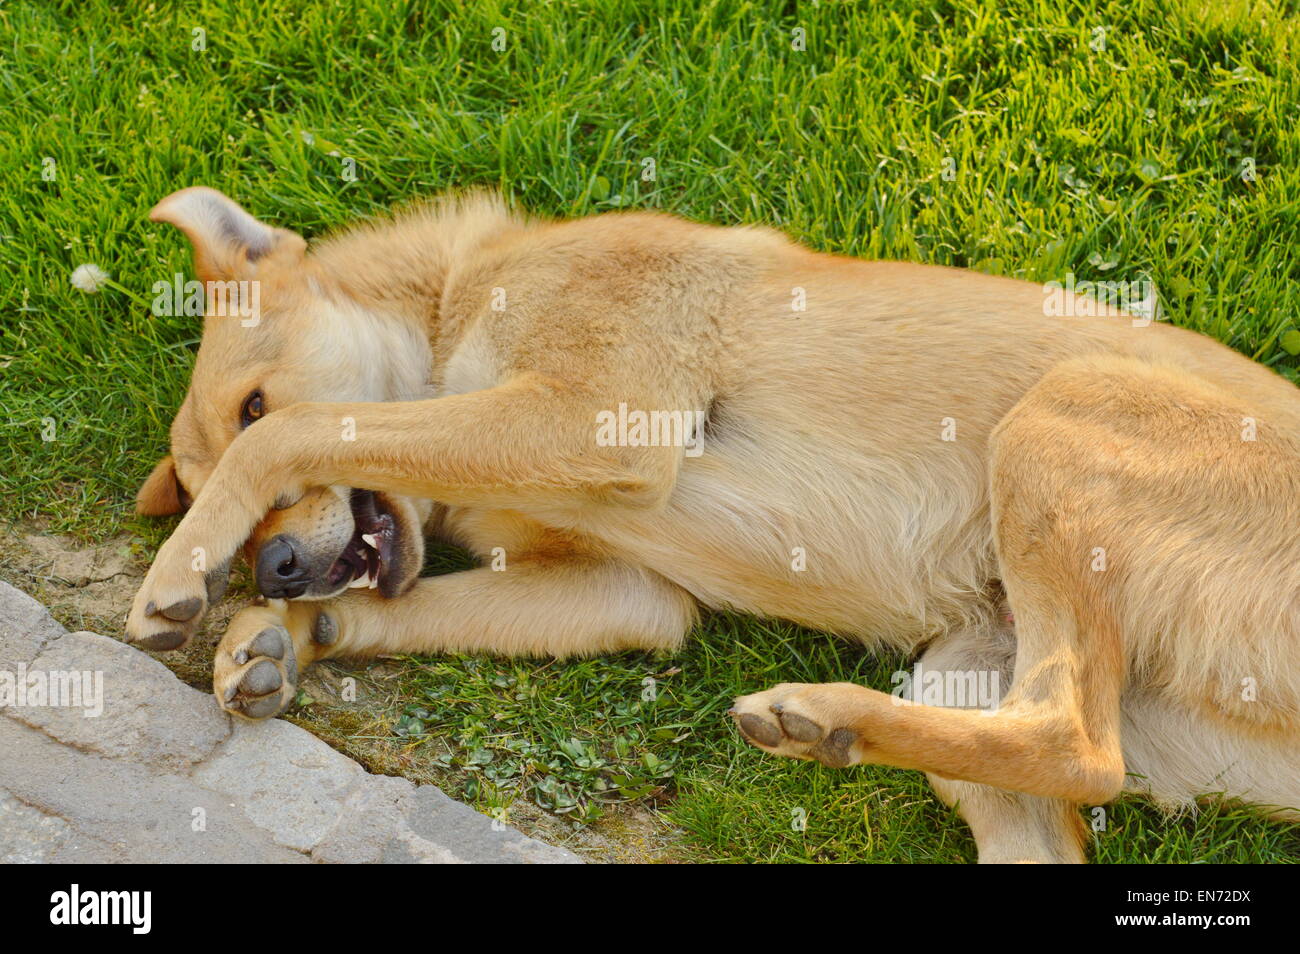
913	452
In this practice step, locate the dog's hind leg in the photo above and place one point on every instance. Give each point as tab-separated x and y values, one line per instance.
533	608
1015	828
1009	827
1056	733
1136	511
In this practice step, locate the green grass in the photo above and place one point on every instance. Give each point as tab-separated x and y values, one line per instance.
1115	163
578	738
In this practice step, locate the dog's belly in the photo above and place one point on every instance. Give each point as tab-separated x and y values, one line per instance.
853	545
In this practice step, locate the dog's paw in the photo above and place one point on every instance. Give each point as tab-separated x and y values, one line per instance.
255	671
171	603
799	721
260	660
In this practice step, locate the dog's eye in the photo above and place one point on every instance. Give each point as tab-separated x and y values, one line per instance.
252	409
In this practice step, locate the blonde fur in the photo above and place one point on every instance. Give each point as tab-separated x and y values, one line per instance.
474	349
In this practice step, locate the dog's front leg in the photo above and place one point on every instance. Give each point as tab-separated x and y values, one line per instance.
538	607
528	443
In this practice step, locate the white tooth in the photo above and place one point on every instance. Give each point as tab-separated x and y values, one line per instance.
359	581
374	581
370	540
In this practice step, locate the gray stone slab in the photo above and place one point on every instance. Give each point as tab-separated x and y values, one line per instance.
286	780
372	816
26	628
441	830
146	713
29	836
127	810
162	775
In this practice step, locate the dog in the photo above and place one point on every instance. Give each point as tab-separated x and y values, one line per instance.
629	417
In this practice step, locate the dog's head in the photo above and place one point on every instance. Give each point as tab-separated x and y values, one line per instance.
278	329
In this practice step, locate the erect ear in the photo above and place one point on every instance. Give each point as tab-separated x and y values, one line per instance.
159	496
227	240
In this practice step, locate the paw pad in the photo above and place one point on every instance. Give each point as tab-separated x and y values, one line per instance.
183	611
775	721
324	631
797	727
760	730
163	642
270	642
261	676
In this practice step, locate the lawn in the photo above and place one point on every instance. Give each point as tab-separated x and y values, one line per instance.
1111	141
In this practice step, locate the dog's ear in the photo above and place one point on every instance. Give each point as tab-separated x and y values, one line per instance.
228	242
159	496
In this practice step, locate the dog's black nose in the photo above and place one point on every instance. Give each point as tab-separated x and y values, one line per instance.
281	574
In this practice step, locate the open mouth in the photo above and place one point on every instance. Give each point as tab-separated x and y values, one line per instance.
370	551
